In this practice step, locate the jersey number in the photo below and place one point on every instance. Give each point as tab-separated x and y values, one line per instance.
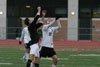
50	33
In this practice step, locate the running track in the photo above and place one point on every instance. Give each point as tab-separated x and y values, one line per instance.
89	44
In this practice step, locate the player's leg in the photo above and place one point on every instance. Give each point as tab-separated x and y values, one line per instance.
36	62
30	60
26	55
37	57
54	57
33	51
55	61
51	53
31	57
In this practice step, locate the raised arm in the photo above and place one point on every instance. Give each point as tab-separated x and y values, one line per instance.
43	15
37	16
51	23
59	25
45	27
42	20
57	28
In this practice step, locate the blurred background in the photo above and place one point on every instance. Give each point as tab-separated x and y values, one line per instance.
77	44
80	18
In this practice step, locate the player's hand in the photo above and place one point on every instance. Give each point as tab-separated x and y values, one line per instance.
20	42
44	12
57	17
39	9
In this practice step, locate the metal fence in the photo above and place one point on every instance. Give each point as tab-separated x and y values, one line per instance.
92	34
13	32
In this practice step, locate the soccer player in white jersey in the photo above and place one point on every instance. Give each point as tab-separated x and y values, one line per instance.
46	46
26	37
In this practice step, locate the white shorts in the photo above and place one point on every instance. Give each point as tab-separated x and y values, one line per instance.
34	49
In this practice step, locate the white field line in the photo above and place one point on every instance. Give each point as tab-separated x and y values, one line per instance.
51	65
6	63
86	55
51	58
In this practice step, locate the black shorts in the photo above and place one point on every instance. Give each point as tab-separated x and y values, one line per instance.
27	45
47	52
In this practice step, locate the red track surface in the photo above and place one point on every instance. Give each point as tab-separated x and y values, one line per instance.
89	44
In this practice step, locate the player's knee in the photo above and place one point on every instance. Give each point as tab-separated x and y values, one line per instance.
37	60
28	50
55	60
31	57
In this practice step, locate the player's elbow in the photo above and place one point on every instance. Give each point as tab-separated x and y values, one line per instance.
59	27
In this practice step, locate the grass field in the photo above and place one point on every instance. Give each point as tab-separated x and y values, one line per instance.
10	56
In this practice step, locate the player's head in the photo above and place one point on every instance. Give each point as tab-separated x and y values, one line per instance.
48	21
27	21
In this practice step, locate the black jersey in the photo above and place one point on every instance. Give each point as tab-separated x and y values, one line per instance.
33	30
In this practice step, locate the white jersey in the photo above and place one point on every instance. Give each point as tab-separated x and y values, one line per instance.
25	35
47	34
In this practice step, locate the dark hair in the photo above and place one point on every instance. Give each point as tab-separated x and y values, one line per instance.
26	21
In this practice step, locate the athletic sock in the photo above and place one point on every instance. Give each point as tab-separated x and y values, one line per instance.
29	63
24	57
53	65
36	65
27	56
32	65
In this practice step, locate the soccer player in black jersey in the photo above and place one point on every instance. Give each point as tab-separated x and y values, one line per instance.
34	47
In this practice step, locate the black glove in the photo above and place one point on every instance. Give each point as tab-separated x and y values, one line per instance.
20	42
57	17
